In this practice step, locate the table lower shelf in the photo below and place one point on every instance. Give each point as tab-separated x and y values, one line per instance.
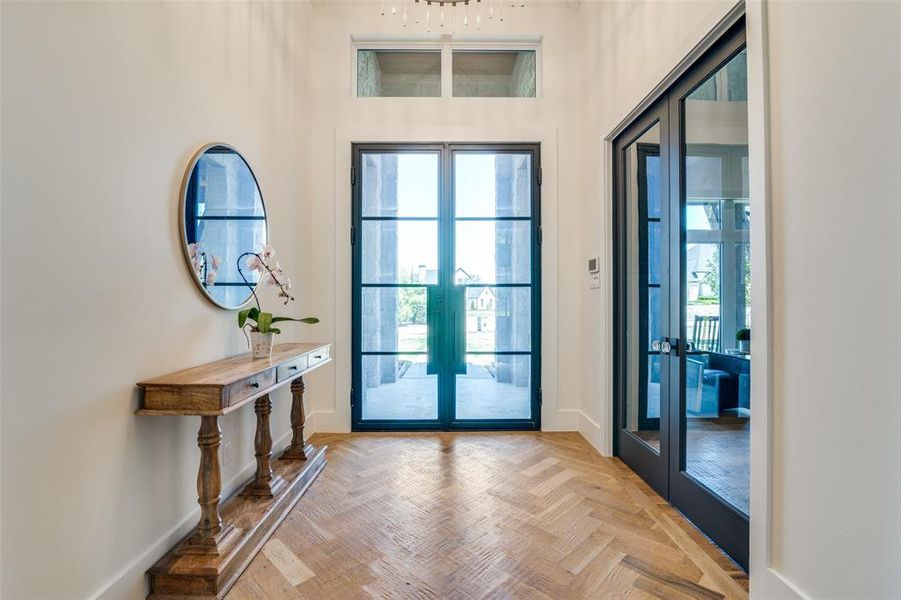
186	575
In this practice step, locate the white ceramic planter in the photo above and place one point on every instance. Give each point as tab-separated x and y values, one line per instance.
261	344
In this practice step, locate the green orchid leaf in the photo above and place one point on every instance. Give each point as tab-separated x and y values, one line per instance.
242	317
307	320
254	313
264	322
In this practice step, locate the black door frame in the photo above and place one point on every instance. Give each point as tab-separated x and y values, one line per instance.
652	466
446	339
725	524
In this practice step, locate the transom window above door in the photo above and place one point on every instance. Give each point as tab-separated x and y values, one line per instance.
452	70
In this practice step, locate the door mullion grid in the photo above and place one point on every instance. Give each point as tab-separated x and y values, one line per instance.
447	401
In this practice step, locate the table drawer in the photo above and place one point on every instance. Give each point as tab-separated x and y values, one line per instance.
291	368
241	390
317	356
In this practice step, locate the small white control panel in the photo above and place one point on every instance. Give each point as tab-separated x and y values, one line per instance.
594	272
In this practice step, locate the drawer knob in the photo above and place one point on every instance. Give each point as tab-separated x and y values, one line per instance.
318	356
254	384
292	368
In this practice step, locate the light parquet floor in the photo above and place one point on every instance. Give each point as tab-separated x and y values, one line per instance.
483	515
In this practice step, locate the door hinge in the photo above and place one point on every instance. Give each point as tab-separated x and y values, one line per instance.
540	398
353	235
353	396
540	235
539	175
353	176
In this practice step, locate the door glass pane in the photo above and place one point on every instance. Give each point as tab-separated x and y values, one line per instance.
498	319
394	319
493	185
400	184
400	252
646	306
398	387
494	252
717	286
495	387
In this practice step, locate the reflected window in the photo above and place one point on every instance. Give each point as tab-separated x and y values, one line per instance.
717	283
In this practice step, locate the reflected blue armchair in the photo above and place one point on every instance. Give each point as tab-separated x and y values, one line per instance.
708	391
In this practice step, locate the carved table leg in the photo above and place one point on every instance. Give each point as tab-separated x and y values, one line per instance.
297	449
211	536
266	484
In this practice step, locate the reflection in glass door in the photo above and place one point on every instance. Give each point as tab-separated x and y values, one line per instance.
446	295
711	479
682	302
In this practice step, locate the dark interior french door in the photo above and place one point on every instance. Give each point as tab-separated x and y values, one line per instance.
682	295
446	286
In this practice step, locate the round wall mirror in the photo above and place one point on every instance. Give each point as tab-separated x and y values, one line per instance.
222	217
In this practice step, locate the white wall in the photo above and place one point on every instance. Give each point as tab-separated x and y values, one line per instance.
103	104
552	119
835	167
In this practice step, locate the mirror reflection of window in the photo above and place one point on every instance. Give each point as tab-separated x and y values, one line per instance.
224	218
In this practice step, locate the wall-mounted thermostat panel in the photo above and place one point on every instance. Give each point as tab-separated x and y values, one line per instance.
594	272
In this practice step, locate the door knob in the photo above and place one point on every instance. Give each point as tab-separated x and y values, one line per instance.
665	347
655	346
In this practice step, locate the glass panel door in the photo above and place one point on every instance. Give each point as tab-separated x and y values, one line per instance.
494	198
446	287
398	263
643	297
681	356
711	471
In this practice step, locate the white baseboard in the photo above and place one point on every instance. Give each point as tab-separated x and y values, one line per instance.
592	431
131	582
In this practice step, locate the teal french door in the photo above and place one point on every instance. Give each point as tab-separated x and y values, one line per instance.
446	286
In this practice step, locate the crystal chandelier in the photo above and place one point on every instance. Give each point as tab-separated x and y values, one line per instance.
448	15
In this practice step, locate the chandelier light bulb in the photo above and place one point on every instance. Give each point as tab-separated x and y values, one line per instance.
496	8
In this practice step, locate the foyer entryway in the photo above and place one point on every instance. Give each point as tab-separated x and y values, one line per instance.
446	298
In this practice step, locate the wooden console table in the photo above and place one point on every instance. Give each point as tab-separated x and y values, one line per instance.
209	560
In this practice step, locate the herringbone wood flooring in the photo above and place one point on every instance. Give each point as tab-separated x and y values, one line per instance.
483	515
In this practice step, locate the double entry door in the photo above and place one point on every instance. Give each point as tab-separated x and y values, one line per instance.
446	298
682	296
